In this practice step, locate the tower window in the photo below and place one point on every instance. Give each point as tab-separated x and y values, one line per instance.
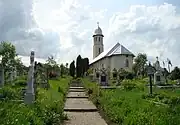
95	38
99	39
99	50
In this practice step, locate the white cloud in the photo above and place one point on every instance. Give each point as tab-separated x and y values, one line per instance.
64	28
150	29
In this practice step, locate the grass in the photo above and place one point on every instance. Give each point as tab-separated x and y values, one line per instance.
128	107
47	109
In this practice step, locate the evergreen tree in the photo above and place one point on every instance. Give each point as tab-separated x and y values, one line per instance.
72	69
79	67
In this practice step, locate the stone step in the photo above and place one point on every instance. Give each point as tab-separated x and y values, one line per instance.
79	105
84	118
76	90
76	87
77	95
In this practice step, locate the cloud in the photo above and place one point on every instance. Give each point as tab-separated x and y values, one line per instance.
18	25
64	28
150	29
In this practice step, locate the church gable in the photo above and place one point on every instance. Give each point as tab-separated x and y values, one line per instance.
115	50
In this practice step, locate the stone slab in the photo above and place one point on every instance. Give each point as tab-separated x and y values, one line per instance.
76	90
79	105
76	94
84	118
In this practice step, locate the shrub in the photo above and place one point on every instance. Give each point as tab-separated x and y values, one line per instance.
9	93
128	85
20	82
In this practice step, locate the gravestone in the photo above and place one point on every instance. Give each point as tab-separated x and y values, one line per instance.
118	81
91	76
158	75
103	80
97	73
1	77
29	95
11	77
115	73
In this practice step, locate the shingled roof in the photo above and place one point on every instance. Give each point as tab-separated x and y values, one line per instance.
118	49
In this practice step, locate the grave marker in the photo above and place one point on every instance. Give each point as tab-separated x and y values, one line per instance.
29	95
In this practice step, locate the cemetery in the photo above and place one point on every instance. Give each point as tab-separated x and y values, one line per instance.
50	94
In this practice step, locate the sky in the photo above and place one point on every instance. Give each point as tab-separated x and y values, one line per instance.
64	28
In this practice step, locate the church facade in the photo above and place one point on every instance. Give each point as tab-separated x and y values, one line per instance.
116	56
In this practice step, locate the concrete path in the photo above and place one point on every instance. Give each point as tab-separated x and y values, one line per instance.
80	110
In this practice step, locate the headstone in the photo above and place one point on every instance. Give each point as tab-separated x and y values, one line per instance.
103	80
1	77
91	77
158	75
115	73
11	77
97	75
118	81
29	95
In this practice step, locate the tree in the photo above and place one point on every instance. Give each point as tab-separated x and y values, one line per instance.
79	67
8	53
140	63
72	69
51	67
66	65
62	70
175	74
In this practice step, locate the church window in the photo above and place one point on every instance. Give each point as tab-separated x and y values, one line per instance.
102	65
127	63
99	50
99	39
95	38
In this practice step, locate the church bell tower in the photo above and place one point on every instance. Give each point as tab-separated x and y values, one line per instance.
98	46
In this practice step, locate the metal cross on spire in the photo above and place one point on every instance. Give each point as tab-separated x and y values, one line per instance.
98	24
157	58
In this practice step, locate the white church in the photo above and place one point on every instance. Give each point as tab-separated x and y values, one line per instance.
115	57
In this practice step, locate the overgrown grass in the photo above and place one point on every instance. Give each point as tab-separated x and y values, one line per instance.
47	109
128	107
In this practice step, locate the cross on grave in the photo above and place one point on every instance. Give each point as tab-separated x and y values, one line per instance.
103	77
29	95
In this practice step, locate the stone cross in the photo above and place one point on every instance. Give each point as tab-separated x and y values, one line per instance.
29	95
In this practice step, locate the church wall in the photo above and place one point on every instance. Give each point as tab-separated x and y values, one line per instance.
118	62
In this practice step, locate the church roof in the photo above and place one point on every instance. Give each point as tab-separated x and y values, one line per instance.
115	50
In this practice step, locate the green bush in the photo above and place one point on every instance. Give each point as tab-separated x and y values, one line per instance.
135	107
9	93
128	85
47	109
20	82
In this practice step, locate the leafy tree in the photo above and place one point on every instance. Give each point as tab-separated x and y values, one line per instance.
140	64
72	69
175	74
51	67
66	65
8	53
63	69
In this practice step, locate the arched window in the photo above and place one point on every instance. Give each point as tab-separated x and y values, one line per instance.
99	39
99	50
126	63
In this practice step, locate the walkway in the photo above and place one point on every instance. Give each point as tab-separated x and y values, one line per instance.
80	110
